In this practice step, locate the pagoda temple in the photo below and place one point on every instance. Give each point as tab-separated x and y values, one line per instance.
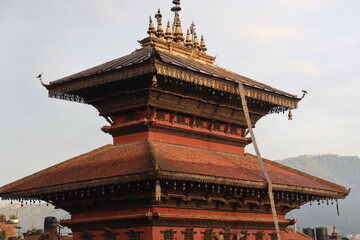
177	168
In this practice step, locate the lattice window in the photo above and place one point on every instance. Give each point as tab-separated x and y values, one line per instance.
181	119
208	234
189	234
86	235
227	233
259	235
109	234
168	234
245	233
217	126
234	130
200	123
134	235
273	236
160	115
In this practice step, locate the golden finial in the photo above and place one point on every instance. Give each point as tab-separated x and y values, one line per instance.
188	42
151	31
159	32
202	44
178	35
196	41
168	33
176	8
192	29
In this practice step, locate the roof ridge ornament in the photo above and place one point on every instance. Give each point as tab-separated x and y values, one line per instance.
151	30
192	29
177	7
202	44
159	31
177	31
168	33
173	39
188	41
196	42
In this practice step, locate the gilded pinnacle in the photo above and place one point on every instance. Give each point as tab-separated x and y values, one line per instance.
176	8
196	41
188	42
178	34
202	44
159	32
168	33
151	31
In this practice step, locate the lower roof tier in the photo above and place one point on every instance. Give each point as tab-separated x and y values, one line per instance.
156	159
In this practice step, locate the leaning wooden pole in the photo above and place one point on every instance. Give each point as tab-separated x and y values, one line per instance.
259	158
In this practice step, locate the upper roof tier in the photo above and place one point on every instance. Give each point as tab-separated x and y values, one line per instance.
171	55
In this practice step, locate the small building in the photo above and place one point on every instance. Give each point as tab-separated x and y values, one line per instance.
50	232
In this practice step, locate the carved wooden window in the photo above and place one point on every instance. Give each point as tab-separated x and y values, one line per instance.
200	123
160	115
86	235
134	235
217	126
273	236
208	234
109	234
168	234
227	233
189	234
259	235
245	233
181	119
234	130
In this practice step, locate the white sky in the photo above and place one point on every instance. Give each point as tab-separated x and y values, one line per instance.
288	44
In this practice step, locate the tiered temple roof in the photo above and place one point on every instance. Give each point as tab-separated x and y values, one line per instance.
177	158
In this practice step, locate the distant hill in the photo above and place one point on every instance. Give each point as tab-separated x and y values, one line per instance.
343	170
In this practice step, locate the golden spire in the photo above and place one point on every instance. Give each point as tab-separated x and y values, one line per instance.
177	31
188	42
196	41
151	31
178	34
168	33
202	44
159	32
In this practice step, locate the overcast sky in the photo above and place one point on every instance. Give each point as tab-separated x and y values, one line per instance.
288	44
